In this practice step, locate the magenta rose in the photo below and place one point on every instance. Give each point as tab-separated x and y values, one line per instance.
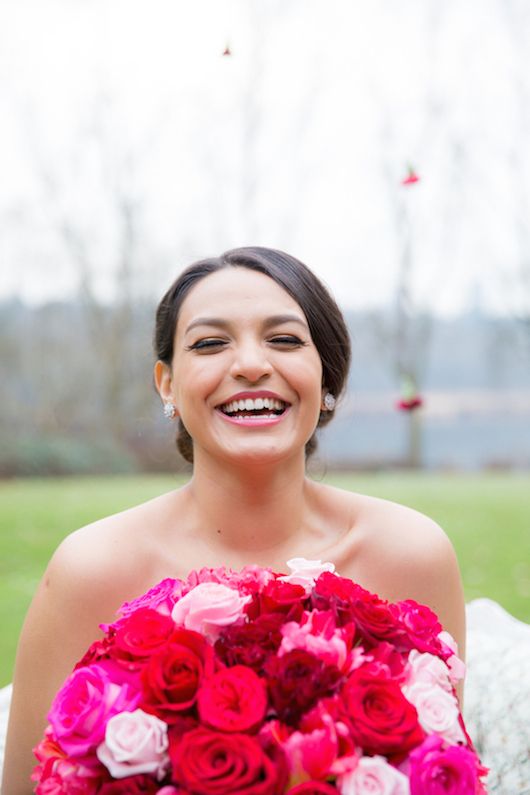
421	626
297	680
380	718
172	676
251	644
161	597
207	762
82	707
435	770
233	700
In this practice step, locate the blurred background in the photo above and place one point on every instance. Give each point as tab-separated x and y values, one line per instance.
385	144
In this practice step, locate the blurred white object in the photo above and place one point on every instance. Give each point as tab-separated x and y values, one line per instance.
497	695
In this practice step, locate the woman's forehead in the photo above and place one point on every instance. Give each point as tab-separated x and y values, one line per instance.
237	291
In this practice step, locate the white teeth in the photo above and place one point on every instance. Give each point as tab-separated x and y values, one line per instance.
252	405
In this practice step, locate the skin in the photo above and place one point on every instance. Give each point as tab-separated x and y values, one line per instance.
248	501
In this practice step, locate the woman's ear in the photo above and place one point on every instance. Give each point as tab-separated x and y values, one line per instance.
162	376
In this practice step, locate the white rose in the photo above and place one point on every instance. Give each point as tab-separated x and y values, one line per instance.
305	572
135	742
373	776
437	710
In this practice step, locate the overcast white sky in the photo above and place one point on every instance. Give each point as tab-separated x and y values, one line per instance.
298	140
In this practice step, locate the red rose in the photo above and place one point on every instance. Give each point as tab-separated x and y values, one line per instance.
172	676
313	788
337	594
140	635
207	762
233	700
251	644
282	597
132	785
373	617
421	626
297	680
98	650
380	718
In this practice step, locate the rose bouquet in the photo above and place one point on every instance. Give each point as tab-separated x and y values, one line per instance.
258	683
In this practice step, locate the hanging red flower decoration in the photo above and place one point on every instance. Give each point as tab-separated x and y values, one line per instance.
411	178
409	404
410	398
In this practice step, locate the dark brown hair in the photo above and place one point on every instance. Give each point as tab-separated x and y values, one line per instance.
326	323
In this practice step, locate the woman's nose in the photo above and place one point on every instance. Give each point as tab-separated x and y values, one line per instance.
251	362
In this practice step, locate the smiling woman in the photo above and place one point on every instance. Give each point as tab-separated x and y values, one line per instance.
311	312
252	355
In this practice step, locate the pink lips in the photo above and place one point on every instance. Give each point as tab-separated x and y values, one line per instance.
253	422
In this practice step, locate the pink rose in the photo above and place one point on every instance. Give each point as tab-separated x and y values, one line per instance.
427	669
135	742
317	634
208	608
435	770
373	776
457	668
82	707
250	579
161	597
310	755
437	710
306	572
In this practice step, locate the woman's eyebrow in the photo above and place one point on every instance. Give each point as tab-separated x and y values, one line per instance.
219	322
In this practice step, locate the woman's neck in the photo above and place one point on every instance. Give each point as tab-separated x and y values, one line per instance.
258	509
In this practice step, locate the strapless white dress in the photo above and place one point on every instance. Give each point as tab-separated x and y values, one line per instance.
497	696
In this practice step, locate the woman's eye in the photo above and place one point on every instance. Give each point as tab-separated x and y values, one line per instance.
208	344
288	340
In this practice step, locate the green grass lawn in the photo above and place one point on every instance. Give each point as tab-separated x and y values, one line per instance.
486	516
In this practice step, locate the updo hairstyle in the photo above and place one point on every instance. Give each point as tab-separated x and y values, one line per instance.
326	323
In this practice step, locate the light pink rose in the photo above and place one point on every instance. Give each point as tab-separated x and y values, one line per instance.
82	707
305	572
135	742
373	776
317	635
457	667
437	711
208	608
427	669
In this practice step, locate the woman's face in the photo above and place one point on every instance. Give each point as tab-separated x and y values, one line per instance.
246	377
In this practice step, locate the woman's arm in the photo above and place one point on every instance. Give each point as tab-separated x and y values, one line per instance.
73	597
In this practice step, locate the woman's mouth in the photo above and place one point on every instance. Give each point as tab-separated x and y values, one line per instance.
254	410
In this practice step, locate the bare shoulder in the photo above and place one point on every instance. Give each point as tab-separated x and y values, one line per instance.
92	572
400	553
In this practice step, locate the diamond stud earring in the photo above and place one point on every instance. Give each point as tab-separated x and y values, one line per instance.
329	401
170	411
